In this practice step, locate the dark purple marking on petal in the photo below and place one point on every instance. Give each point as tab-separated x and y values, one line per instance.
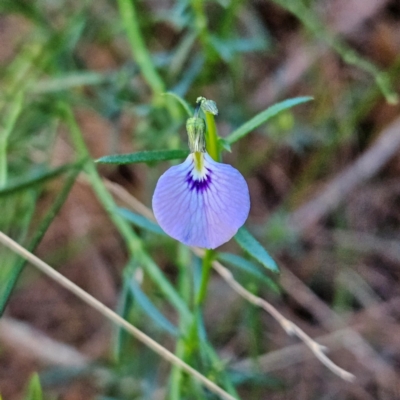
200	185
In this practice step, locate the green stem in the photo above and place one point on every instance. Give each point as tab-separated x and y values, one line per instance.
205	278
9	126
131	22
200	21
177	376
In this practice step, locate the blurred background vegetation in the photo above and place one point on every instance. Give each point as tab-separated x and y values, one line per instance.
84	79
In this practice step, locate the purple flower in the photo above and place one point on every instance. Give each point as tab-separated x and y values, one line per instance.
201	202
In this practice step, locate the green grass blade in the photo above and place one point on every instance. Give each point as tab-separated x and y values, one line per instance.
140	221
123	307
34	391
183	102
149	308
248	243
144	157
263	117
12	116
141	53
11	280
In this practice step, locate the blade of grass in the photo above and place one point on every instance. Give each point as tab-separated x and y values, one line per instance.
12	117
263	117
183	102
130	20
123	307
34	389
141	221
149	308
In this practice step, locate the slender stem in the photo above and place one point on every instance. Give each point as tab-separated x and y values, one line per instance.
193	341
131	22
143	58
205	277
111	315
200	24
177	378
9	126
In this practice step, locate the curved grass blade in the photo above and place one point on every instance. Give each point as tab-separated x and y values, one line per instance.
263	117
248	243
140	221
144	157
183	102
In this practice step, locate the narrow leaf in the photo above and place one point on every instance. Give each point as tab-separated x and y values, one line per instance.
149	308
144	156
123	306
248	267
183	102
263	117
248	243
140	221
34	389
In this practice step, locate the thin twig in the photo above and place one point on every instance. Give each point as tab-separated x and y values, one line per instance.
287	356
288	326
111	315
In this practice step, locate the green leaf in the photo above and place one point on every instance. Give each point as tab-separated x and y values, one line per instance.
183	102
248	243
263	117
140	221
149	308
224	145
119	334
248	267
34	389
144	156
